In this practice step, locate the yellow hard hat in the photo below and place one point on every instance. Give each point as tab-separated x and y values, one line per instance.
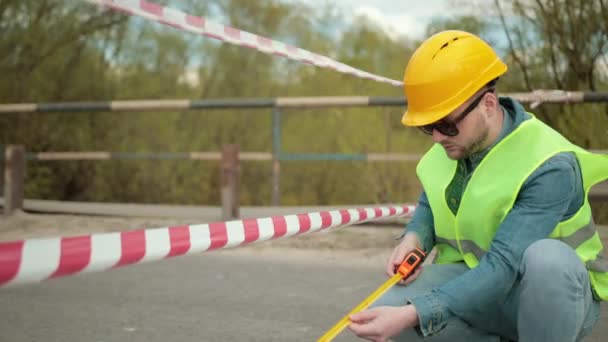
446	70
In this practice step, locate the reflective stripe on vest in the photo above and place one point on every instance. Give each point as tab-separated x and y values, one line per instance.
467	246
599	264
575	240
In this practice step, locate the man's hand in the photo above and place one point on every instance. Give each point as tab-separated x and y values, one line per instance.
408	244
381	323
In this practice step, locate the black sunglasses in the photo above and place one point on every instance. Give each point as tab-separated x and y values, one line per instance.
449	127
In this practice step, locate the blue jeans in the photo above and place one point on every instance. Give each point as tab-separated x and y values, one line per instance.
551	301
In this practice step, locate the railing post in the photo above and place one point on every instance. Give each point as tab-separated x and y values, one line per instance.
2	163
230	182
599	193
276	152
14	174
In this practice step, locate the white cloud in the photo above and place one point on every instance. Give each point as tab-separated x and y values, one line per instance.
190	77
396	25
399	18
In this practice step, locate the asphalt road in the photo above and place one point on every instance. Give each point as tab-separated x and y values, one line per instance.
219	296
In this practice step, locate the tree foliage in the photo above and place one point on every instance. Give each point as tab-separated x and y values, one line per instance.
60	50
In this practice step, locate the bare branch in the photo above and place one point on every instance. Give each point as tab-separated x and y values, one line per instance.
552	49
516	57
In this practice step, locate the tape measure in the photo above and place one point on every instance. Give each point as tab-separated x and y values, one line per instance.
411	261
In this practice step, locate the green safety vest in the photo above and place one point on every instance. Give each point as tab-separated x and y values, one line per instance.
492	191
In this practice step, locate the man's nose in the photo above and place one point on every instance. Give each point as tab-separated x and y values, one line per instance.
438	136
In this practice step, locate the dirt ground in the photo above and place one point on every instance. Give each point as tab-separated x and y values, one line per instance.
369	243
366	243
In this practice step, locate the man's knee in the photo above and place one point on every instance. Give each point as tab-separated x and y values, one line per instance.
549	259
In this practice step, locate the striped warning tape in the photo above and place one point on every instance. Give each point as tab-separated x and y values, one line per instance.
203	26
211	156
34	260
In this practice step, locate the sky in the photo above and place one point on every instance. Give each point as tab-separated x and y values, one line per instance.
399	17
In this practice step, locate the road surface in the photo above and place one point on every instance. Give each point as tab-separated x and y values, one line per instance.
232	295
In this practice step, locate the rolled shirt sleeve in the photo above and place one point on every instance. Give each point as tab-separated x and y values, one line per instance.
422	224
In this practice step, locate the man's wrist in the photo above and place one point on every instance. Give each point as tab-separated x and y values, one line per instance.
412	239
412	314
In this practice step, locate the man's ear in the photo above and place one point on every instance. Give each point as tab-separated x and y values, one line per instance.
490	103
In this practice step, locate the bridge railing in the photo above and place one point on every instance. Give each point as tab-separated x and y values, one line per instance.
15	157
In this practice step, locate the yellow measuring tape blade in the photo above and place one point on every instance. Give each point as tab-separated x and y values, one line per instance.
343	323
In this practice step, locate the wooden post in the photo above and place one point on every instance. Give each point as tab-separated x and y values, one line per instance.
599	193
230	182
14	174
2	163
276	162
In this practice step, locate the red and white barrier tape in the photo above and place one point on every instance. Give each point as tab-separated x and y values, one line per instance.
199	25
29	261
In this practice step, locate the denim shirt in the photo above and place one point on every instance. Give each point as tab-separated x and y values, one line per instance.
551	194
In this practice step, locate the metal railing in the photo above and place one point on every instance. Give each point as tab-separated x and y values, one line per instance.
277	155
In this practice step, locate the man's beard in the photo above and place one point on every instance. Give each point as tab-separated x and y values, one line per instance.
477	145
